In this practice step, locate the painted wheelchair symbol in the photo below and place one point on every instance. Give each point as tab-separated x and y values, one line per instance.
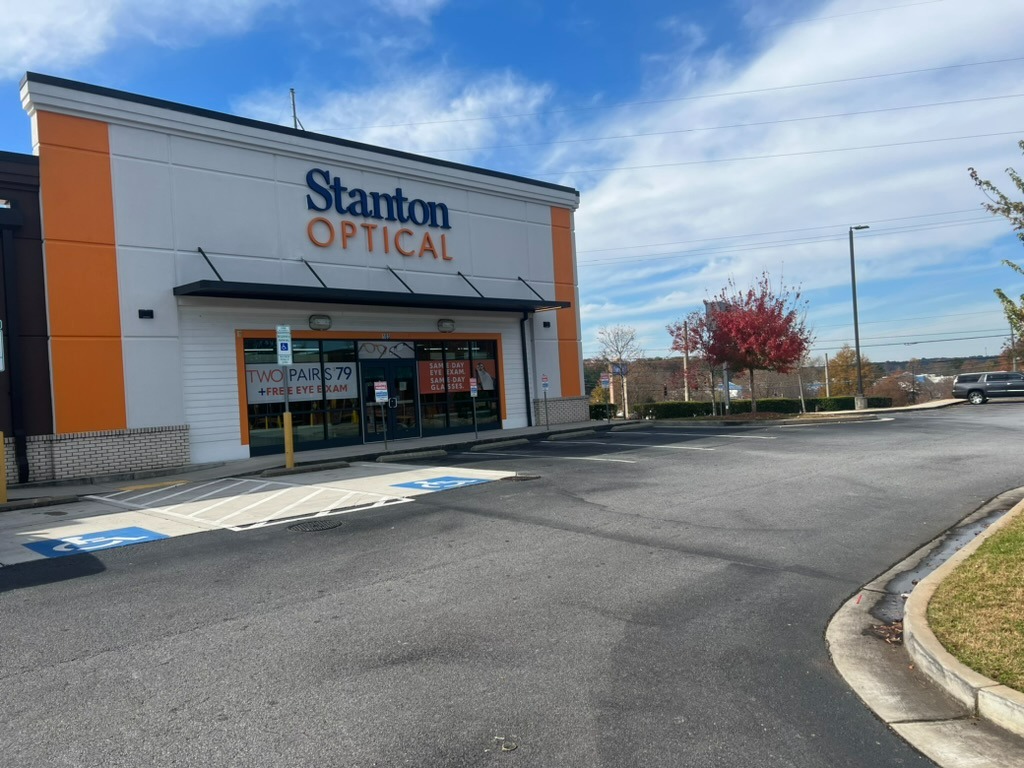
442	483
93	542
90	543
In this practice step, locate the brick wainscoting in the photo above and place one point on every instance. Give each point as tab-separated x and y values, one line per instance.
95	454
561	410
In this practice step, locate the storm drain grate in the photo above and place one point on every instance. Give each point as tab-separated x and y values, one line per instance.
312	526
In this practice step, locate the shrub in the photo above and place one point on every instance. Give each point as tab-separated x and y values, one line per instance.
682	410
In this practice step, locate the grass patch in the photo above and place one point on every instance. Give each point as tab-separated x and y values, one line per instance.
977	613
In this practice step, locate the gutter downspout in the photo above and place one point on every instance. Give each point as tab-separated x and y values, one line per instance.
526	369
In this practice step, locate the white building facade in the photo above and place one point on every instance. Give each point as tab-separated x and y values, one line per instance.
178	244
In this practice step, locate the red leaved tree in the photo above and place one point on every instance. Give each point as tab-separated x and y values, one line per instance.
758	329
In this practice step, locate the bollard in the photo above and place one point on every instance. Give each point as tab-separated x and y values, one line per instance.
289	442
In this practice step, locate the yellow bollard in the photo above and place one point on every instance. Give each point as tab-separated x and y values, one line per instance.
3	470
289	442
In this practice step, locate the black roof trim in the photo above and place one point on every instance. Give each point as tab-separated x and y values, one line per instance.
217	289
35	77
17	157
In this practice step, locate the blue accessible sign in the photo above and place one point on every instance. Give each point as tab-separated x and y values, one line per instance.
444	483
93	542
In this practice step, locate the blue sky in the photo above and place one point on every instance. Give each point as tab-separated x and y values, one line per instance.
711	139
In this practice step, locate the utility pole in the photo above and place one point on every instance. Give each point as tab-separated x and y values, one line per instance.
686	361
828	392
1013	350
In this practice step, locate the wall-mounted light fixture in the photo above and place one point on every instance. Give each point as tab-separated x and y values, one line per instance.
445	325
319	322
546	323
146	314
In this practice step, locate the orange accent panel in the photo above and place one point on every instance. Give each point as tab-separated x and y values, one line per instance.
74	132
565	290
81	279
88	384
81	274
243	404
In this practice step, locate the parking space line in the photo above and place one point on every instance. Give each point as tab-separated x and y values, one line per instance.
704	434
632	445
558	458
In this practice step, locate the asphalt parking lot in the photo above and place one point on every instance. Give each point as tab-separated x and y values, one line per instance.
639	598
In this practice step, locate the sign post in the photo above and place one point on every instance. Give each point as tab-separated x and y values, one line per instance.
606	384
380	396
472	394
544	385
284	359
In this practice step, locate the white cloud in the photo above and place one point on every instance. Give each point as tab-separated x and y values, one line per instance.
421	10
436	111
59	35
666	191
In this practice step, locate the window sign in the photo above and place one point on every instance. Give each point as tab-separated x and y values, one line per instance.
458	373
264	382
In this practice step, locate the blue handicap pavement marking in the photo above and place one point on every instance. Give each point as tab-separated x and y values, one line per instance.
442	483
92	542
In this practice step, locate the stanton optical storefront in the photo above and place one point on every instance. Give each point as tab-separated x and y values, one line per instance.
174	241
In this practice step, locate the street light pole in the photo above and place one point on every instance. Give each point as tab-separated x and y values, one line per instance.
859	401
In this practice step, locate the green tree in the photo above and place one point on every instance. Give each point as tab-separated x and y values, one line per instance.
842	372
1013	211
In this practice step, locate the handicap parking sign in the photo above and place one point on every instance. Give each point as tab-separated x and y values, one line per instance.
93	542
444	483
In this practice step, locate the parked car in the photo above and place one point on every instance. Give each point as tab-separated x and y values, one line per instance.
979	387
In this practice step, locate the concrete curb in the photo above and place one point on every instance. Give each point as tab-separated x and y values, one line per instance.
631	427
302	468
986	698
572	435
399	457
499	445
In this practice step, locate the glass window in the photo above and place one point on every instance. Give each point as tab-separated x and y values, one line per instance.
323	393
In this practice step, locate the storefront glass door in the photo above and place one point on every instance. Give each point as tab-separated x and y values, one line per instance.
400	416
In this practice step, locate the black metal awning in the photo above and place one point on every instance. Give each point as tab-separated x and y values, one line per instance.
219	289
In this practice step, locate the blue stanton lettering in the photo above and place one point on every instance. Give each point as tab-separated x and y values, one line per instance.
328	192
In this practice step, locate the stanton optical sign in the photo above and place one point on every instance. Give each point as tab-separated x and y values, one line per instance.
396	212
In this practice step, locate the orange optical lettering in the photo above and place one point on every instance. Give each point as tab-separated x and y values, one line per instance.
369	228
387	243
398	242
444	249
427	246
348	229
310	231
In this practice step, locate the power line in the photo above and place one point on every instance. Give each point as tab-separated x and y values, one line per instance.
728	126
779	231
697	97
804	153
813	19
741	248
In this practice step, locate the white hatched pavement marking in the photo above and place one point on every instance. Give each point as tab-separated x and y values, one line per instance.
225	500
256	503
344	500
